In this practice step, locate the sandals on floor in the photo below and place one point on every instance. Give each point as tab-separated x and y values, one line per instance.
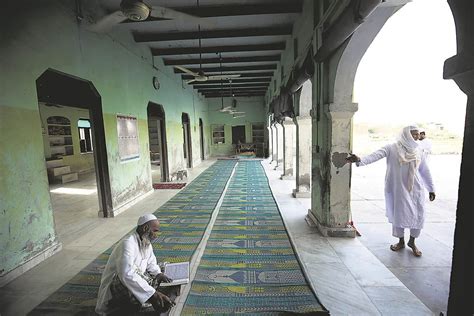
415	250
396	247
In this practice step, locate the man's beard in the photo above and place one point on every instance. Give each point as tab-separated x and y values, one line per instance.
146	240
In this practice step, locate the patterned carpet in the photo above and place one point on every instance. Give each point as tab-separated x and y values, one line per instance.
249	265
183	218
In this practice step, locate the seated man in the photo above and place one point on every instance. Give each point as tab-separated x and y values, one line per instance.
132	275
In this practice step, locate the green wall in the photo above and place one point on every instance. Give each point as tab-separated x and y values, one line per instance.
26	218
254	108
42	35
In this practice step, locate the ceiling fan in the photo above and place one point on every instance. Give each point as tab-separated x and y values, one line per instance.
200	76
137	10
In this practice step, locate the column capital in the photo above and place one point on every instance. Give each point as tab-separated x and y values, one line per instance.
304	120
288	122
460	68
341	110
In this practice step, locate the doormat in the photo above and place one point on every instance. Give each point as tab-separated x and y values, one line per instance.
168	186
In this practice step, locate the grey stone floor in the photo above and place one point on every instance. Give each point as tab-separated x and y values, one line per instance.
358	276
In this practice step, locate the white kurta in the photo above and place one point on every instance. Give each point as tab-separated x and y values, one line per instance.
127	261
425	146
403	208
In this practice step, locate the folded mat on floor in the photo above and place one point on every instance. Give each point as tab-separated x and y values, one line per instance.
249	265
168	186
183	219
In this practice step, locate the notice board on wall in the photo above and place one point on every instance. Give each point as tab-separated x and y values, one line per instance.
127	129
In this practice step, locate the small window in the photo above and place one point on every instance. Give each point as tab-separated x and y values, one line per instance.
85	135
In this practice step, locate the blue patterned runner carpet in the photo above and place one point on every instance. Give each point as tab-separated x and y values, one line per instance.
184	218
249	265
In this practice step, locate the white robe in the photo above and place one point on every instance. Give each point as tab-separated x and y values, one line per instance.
125	260
425	146
403	208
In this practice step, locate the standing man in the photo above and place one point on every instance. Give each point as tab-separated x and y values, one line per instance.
424	143
407	177
132	275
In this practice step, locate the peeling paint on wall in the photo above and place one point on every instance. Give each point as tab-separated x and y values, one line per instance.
26	221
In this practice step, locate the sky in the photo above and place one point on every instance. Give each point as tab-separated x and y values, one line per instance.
400	78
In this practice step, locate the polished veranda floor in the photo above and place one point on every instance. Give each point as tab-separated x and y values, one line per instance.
350	276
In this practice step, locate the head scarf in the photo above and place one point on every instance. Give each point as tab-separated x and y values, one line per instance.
408	153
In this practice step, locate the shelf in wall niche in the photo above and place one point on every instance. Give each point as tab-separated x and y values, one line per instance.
218	134
60	136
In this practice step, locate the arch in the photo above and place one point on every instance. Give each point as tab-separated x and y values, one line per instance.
350	55
58	88
306	98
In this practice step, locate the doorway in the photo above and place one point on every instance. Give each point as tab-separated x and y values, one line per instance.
74	145
238	134
201	137
158	144
187	145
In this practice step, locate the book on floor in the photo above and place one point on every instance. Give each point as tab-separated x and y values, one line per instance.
178	272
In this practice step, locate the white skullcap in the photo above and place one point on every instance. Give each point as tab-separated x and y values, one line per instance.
145	219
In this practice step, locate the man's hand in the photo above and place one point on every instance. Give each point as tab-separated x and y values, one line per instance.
432	196
161	277
158	300
352	158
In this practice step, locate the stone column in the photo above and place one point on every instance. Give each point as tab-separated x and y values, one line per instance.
303	158
279	145
289	137
274	144
332	214
270	143
460	68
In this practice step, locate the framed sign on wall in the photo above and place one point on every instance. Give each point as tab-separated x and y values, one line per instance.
127	129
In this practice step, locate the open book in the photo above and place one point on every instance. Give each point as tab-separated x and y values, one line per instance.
178	272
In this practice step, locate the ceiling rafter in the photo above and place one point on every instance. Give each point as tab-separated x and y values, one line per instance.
141	37
245	94
217	49
211	11
228	69
234	89
234	81
227	85
224	60
244	38
242	75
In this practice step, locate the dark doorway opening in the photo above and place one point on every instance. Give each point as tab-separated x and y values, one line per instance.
238	134
158	144
201	137
187	146
57	89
